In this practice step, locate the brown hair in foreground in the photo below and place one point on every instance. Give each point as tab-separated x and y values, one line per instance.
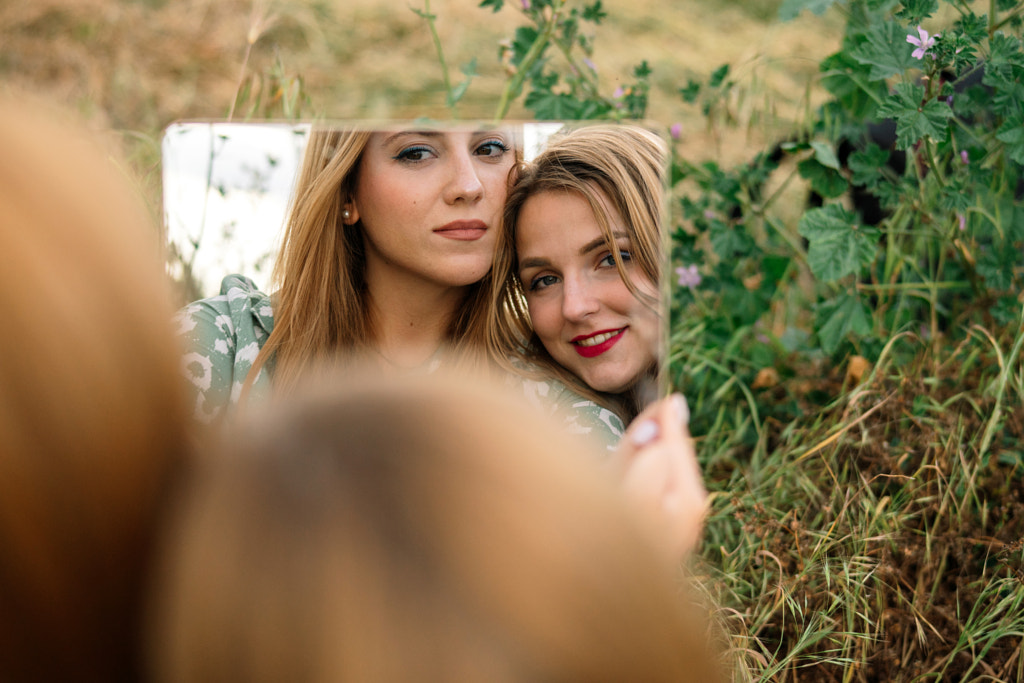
90	412
423	529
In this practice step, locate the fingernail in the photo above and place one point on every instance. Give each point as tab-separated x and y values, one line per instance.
645	433
682	409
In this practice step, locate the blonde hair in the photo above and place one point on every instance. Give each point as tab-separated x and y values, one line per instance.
320	303
92	414
426	529
625	165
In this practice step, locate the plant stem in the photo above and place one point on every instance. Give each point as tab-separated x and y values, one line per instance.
515	84
432	24
241	77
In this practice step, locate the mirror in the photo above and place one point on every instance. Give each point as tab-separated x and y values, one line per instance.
227	191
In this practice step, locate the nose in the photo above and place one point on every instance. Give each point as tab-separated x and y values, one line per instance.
464	183
578	299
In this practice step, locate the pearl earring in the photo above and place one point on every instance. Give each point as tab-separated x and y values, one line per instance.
346	215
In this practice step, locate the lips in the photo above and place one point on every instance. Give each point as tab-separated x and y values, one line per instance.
464	231
593	345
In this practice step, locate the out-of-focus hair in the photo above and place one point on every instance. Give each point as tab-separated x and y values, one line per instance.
91	411
624	164
424	529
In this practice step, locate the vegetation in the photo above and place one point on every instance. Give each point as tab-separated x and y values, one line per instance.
846	258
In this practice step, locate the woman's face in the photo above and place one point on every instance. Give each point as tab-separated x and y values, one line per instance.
581	309
430	203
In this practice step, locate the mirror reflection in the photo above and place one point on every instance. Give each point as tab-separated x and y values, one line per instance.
535	247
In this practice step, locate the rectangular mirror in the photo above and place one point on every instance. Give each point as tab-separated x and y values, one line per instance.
229	188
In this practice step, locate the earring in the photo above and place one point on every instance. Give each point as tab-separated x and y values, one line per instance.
346	215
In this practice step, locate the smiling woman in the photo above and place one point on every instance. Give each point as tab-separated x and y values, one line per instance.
575	296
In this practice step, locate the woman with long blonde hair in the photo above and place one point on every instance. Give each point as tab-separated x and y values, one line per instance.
388	242
575	295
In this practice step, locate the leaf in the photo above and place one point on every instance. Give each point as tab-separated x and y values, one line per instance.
847	79
839	318
690	92
914	120
594	13
866	164
916	11
718	76
996	264
825	155
1011	133
838	246
886	50
549	106
459	91
729	241
824	180
790	9
495	5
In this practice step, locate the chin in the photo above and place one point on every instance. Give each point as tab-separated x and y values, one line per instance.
611	385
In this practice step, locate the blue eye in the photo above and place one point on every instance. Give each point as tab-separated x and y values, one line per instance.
542	282
492	148
415	153
609	260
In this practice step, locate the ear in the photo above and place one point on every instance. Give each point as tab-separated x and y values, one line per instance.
349	213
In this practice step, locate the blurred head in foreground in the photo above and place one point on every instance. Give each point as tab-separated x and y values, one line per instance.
90	416
423	529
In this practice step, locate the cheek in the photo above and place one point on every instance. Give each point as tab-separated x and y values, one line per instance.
546	316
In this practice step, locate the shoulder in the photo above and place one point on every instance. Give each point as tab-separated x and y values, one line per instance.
580	415
239	306
222	335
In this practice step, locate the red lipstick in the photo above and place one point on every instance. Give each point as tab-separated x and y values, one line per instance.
594	350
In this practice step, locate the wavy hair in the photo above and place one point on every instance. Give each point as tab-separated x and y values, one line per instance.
622	163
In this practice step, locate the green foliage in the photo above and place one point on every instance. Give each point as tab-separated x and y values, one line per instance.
843	495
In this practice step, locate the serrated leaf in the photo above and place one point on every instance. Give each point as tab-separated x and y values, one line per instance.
914	120
841	317
866	164
886	50
1011	133
837	245
915	11
791	9
729	241
549	106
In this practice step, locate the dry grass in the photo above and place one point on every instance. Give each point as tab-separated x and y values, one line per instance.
140	65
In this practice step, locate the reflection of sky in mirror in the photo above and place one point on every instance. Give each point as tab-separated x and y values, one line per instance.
226	192
227	187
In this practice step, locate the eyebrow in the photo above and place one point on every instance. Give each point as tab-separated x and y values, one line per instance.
539	262
438	133
426	133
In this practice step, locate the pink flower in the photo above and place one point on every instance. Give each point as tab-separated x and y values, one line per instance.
923	43
526	4
676	131
590	64
688	276
619	92
963	221
963	156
